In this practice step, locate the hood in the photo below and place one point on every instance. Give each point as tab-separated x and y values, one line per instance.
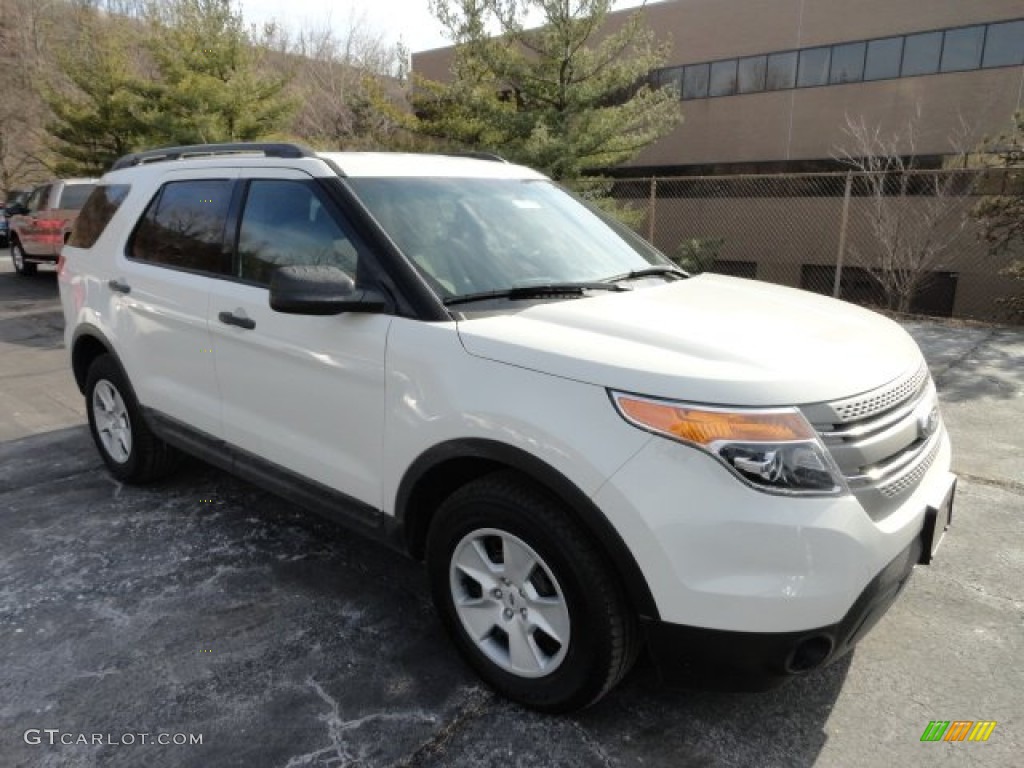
709	339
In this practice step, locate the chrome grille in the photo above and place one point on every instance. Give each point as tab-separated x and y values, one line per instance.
878	439
864	406
913	477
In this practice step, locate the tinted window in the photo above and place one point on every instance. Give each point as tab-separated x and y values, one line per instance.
695	82
962	49
847	63
285	223
73	196
781	71
184	227
921	54
1004	44
96	214
751	74
884	58
813	67
723	78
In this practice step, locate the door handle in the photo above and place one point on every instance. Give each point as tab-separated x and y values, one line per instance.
231	319
118	286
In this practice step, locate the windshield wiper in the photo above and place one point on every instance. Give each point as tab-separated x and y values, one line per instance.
656	271
535	291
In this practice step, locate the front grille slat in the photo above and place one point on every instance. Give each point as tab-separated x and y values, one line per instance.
865	406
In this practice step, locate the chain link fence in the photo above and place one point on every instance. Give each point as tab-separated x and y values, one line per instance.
902	241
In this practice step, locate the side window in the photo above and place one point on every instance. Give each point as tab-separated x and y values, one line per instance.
36	201
183	227
73	196
97	212
285	223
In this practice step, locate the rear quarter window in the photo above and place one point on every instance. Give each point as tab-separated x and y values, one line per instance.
97	212
73	196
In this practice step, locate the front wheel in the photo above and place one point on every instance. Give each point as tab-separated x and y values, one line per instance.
21	265
530	601
130	450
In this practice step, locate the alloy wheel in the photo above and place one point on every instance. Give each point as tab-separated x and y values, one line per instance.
510	603
112	423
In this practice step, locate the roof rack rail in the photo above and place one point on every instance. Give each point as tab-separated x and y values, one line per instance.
494	157
269	149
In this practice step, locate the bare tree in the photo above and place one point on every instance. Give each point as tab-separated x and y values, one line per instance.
24	39
915	216
340	79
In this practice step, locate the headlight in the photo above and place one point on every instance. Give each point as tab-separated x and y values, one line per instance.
774	450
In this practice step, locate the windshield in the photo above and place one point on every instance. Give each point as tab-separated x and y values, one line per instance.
470	236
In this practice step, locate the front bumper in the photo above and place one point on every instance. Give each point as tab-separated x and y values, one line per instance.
720	555
757	661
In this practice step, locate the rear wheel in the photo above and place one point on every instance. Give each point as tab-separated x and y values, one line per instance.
530	601
126	444
21	265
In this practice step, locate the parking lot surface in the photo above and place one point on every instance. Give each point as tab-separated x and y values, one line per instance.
203	605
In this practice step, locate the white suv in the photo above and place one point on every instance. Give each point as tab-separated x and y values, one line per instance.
592	450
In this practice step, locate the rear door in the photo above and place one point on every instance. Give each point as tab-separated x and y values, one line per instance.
160	295
306	393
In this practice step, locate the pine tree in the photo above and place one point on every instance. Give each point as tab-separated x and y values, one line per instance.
564	97
210	85
97	110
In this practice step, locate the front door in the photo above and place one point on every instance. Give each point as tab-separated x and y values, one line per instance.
306	393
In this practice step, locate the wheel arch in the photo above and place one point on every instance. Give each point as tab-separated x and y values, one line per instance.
88	344
439	471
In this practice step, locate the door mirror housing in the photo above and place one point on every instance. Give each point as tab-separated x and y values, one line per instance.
17	209
320	290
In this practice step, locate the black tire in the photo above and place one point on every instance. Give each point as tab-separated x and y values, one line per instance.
22	266
145	458
603	638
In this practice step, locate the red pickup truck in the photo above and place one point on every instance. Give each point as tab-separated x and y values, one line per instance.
40	226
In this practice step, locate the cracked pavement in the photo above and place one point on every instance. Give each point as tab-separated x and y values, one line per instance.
204	605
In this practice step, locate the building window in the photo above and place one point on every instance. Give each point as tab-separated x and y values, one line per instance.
695	81
884	57
781	71
723	78
813	67
847	63
751	74
664	78
962	49
1004	45
999	44
921	54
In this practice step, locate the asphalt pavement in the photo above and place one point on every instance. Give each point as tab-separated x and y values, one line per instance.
203	606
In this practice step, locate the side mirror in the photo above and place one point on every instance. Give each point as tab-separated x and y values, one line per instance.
318	290
16	210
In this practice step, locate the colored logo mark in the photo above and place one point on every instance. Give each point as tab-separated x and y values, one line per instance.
958	730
